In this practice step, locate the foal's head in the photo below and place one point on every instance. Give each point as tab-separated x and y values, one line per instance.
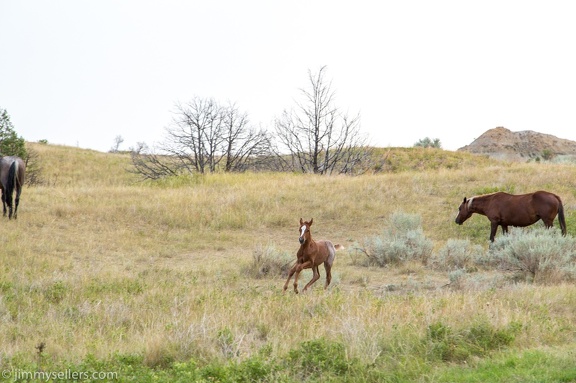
304	230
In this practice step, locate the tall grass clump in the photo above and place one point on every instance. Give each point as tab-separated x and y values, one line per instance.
538	255
401	240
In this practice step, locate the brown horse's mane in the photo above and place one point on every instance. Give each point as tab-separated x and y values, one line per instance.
487	194
481	196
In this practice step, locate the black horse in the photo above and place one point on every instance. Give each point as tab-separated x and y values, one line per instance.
12	170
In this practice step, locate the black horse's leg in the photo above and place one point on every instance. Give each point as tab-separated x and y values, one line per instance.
17	201
4	202
9	203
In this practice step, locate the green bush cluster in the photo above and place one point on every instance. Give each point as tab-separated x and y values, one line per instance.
446	344
317	360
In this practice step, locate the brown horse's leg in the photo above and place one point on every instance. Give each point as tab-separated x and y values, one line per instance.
315	277
493	228
548	223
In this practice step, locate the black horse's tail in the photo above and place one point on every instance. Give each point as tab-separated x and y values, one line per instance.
561	218
11	183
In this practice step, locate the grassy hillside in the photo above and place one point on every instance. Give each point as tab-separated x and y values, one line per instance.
153	279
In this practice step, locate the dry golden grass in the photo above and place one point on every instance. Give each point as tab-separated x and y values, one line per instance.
100	263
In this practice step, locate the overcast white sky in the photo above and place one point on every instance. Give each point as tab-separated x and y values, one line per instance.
80	73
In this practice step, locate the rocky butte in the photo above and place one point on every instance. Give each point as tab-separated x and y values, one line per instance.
504	144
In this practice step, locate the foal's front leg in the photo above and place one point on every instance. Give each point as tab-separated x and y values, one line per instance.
305	265
292	271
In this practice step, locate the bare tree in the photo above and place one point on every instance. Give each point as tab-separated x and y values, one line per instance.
318	136
150	165
204	137
195	134
243	147
117	142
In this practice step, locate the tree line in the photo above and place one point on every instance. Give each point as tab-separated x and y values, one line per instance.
205	136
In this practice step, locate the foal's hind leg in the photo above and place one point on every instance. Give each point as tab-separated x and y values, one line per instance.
315	277
328	269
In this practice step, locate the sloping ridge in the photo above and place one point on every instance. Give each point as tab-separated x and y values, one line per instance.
501	142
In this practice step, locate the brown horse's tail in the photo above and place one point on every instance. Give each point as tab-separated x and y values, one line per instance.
561	218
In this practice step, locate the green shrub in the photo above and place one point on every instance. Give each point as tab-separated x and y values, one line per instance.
449	345
317	357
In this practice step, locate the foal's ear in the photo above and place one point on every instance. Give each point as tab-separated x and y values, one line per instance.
301	222
312	220
464	200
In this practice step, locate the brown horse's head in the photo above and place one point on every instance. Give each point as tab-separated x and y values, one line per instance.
304	230
464	211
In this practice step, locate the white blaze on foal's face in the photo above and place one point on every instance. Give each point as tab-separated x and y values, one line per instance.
302	232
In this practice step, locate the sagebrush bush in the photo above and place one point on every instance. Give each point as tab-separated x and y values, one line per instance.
457	254
401	240
268	261
540	255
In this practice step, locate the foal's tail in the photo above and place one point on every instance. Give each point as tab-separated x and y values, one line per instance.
561	217
332	252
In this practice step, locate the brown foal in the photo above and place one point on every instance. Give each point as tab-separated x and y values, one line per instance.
310	255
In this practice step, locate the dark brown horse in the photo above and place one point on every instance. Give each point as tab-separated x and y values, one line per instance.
12	171
311	255
514	210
